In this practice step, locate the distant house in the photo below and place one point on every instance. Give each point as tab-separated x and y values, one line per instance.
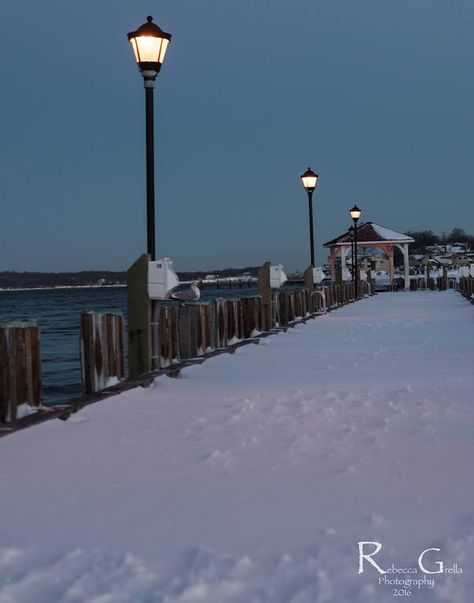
461	259
373	259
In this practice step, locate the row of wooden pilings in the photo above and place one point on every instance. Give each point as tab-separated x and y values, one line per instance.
190	330
466	287
163	335
439	283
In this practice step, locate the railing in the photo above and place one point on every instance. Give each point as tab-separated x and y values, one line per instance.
163	336
193	329
466	287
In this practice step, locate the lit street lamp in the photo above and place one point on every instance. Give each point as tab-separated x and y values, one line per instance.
149	44
355	215
309	180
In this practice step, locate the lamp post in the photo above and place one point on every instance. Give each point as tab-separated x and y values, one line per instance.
355	215
351	235
149	43
309	180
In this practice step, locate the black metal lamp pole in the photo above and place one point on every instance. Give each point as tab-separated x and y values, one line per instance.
150	170
309	180
351	235
355	215
149	44
311	232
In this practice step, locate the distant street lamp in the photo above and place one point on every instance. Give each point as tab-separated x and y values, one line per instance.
309	180
149	44
355	215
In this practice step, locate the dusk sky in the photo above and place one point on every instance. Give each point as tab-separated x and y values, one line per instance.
377	96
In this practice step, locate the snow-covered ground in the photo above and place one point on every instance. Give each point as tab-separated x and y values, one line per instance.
252	478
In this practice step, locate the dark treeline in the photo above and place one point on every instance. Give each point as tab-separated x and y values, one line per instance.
425	238
54	279
26	280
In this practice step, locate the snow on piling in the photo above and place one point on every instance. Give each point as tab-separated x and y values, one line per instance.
20	370
102	350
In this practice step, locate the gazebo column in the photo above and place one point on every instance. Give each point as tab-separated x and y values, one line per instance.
390	262
332	262
344	251
406	265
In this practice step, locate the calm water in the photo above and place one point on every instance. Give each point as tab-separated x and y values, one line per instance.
58	315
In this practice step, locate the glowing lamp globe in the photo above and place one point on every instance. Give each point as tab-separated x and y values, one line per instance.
309	180
355	213
149	43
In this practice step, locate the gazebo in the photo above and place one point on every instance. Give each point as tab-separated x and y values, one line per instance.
370	234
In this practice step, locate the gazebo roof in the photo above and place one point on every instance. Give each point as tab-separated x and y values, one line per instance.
370	232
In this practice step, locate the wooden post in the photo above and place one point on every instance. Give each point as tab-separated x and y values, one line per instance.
186	346
266	293
251	316
20	368
102	351
234	320
139	318
204	328
283	310
370	280
164	334
222	338
308	278
276	319
445	277
309	285
209	327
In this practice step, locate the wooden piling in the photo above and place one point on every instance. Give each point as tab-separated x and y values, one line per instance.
164	334
251	316
221	331
20	368
309	278
102	350
266	295
139	318
234	320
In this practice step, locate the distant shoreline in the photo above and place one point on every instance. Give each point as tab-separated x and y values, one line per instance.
16	289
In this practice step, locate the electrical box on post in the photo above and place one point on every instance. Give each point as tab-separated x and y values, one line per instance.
318	275
277	276
161	278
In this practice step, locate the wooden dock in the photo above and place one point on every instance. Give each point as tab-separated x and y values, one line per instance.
164	337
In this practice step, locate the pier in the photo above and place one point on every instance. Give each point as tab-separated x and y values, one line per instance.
371	403
164	337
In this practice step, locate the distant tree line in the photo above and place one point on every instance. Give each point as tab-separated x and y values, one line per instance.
425	238
27	280
15	280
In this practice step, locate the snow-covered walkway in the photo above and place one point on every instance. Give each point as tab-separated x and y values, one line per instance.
252	477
